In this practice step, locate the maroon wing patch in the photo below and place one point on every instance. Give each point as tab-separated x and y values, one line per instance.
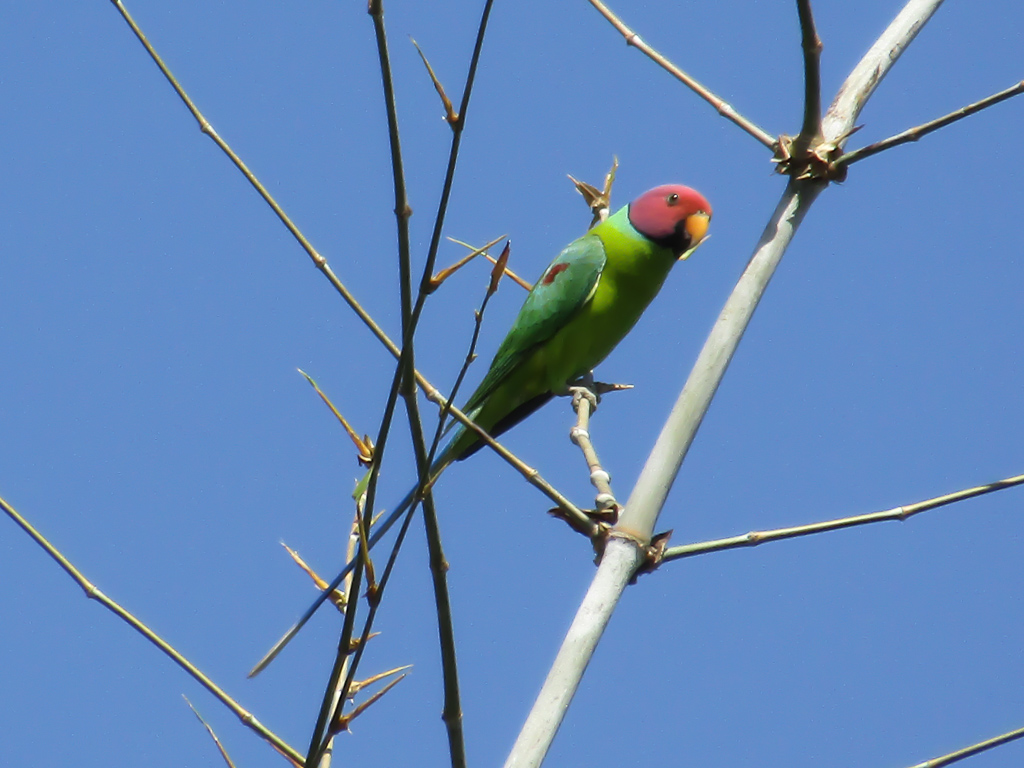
553	272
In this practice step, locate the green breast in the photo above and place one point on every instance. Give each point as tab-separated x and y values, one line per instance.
634	272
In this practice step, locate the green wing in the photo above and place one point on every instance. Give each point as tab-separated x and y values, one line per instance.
564	288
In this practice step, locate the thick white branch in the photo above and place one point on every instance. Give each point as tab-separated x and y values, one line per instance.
648	496
865	77
624	555
620	561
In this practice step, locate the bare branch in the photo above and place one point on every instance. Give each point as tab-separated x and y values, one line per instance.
405	373
572	515
209	729
346	688
724	109
577	519
584	402
905	512
444	274
627	548
811	47
913	134
364	445
452	712
450	115
204	125
974	749
333	701
618	563
645	502
854	93
341	722
338	597
599	200
432	393
94	593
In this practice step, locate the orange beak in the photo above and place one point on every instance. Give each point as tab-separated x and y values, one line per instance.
697	227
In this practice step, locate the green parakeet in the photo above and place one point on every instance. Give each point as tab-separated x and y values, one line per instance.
582	306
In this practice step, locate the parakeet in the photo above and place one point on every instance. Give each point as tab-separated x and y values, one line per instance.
582	306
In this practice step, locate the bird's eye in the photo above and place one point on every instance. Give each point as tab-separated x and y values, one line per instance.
672	199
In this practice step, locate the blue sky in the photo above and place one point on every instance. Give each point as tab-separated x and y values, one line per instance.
153	424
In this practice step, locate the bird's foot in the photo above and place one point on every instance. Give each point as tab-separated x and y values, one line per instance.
586	388
583	392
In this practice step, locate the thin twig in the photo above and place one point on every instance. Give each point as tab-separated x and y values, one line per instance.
810	44
342	671
355	536
449	111
204	125
598	200
431	392
209	729
913	134
405	367
338	596
724	109
341	724
452	711
346	687
584	400
344	668
444	274
451	714
500	268
753	538
331	700
572	515
512	275
405	370
404	378
974	749
806	156
94	593
363	444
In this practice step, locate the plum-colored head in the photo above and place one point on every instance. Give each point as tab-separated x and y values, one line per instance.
673	216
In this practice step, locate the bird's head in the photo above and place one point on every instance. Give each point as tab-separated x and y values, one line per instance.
673	216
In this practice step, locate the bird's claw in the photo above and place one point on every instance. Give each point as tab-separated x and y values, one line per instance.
583	392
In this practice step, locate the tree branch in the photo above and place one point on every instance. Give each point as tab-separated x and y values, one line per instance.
627	550
905	512
431	392
915	133
724	109
974	749
94	593
864	79
811	47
